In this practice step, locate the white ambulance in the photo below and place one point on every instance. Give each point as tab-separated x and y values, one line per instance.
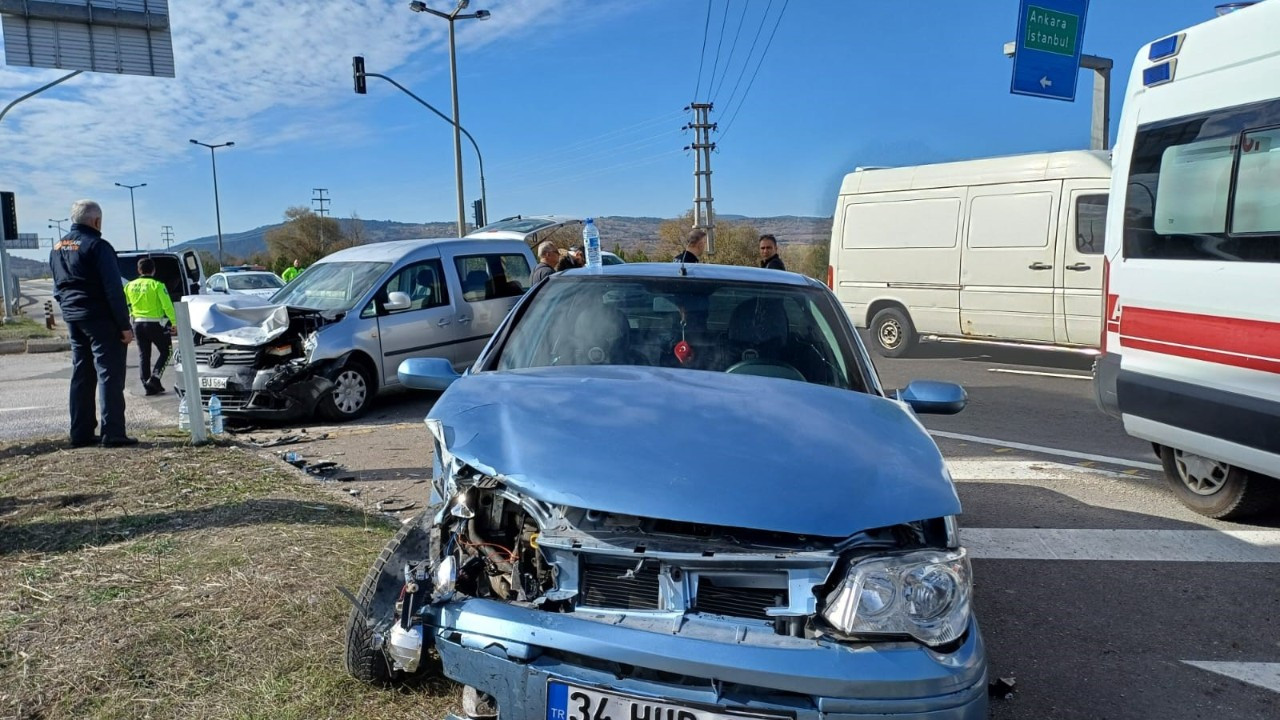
1191	345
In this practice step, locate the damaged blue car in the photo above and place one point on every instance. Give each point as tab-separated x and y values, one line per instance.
668	492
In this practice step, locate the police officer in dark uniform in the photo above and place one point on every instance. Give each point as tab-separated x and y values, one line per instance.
90	292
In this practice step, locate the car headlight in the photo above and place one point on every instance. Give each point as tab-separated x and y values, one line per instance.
924	594
309	346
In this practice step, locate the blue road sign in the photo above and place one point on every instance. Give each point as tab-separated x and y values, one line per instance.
1046	56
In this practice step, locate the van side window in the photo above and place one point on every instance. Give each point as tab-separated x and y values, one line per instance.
423	282
486	277
1205	187
1091	223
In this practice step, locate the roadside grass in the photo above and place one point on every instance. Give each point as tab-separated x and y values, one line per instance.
22	328
172	581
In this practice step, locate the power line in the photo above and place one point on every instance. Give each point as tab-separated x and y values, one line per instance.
746	63
582	144
732	49
595	156
706	24
597	171
719	43
754	74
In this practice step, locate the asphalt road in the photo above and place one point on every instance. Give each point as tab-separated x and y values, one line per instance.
1095	589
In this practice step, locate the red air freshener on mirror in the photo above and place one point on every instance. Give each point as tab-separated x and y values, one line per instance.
684	351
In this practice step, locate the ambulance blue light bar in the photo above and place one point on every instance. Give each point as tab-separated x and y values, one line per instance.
1159	74
1166	48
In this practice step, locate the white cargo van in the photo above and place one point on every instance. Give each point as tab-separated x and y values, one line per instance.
1191	356
1003	249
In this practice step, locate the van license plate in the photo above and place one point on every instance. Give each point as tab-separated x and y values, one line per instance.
213	383
570	702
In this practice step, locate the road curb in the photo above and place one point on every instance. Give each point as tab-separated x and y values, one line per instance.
48	346
12	347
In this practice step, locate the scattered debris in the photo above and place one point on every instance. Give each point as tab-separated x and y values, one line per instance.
395	503
327	467
295	459
345	478
287	440
1001	688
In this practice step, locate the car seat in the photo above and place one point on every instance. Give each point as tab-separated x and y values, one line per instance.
601	336
474	286
424	289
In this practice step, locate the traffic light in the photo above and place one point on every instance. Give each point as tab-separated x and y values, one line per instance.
477	206
357	73
9	215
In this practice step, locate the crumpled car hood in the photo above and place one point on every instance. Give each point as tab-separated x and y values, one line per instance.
699	447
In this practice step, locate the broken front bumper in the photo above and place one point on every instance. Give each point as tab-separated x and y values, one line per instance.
285	392
512	651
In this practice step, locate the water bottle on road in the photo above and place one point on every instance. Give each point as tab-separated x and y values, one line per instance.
591	243
215	415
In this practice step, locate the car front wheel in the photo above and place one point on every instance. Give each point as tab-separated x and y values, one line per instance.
353	390
893	332
1216	489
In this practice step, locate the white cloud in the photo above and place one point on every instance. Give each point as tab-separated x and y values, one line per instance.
237	62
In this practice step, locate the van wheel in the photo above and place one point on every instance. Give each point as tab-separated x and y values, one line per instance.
1216	489
352	393
894	334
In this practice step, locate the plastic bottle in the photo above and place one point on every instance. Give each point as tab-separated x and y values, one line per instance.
184	417
591	243
215	415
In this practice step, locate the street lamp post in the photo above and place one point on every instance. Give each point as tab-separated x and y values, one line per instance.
457	14
217	211
133	211
58	223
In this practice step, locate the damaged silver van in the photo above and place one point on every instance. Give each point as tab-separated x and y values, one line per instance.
670	492
329	341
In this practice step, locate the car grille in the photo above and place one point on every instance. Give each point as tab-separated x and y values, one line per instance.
230	400
744	602
615	587
218	354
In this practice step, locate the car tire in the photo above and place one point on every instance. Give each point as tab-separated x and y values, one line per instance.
353	391
378	594
892	333
1215	489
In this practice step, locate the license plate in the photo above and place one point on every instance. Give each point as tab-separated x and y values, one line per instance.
570	702
213	383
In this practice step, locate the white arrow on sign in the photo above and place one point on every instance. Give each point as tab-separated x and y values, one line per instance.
1045	82
1264	675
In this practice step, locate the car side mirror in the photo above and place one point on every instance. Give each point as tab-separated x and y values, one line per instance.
426	373
931	397
397	301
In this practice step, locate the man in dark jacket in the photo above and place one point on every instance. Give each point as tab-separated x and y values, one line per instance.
694	248
769	253
548	256
90	292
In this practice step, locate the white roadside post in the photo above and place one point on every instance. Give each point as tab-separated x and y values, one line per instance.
190	381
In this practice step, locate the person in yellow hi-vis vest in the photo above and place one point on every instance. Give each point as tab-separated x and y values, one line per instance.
292	271
151	312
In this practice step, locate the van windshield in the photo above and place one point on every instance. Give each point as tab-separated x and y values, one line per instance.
334	286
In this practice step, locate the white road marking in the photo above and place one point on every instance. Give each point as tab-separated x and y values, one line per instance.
1041	374
1264	675
1048	450
22	409
996	470
1223	546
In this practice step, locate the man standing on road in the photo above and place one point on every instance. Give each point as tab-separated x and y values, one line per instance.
292	271
694	248
769	253
87	286
153	321
548	254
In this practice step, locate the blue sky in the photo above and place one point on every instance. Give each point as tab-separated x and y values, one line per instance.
576	105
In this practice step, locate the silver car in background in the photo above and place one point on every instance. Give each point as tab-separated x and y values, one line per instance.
332	339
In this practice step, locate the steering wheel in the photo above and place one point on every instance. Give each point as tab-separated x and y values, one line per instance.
765	368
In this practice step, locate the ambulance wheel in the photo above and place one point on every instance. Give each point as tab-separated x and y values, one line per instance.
1216	489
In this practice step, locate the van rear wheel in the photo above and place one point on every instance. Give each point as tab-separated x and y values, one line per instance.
1216	489
894	334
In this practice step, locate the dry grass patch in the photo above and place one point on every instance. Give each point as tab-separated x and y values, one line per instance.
173	581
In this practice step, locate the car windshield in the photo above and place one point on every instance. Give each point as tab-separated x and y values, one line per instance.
253	281
331	286
729	326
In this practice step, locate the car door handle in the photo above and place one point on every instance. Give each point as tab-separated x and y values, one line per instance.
1079	267
464	320
1040	266
442	322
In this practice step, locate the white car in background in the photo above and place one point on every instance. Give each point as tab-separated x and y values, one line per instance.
248	282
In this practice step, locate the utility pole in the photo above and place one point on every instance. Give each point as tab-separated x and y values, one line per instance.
166	234
703	215
318	200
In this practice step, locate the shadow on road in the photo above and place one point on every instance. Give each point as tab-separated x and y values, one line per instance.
1051	360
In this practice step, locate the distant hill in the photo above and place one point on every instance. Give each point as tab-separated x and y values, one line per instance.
630	233
26	269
